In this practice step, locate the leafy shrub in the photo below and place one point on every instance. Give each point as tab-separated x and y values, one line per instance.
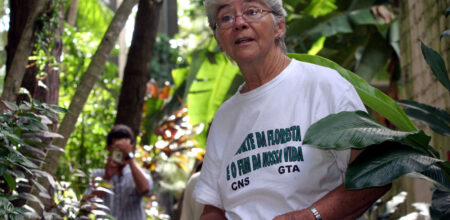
24	138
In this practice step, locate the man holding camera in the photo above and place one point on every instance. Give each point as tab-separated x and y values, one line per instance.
130	183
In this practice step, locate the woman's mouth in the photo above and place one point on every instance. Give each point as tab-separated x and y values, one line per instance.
243	40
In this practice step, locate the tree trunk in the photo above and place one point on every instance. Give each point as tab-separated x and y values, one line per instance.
137	69
72	13
23	50
20	11
84	88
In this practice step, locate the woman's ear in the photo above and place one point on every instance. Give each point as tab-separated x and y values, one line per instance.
280	29
218	41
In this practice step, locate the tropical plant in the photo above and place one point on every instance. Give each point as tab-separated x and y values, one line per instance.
389	153
24	139
360	35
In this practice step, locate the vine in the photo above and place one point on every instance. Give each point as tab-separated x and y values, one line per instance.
45	38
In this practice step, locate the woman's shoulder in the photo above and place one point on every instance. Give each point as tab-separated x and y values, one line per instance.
317	74
314	70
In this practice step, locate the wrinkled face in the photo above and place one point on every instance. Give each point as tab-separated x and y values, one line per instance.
247	40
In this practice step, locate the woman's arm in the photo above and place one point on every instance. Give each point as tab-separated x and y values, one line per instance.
341	203
212	213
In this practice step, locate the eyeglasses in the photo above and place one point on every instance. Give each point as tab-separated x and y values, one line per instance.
227	20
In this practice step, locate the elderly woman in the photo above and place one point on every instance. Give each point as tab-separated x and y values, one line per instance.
255	165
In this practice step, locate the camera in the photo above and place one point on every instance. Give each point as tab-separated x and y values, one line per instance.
117	155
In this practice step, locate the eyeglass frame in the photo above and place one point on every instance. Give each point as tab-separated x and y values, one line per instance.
217	26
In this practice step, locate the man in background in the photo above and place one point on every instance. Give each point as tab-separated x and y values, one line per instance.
129	182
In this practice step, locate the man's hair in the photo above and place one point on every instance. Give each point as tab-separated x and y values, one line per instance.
118	132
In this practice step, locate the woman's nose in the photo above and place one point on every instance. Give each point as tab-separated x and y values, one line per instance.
240	23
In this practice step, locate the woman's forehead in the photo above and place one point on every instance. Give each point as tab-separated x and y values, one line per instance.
228	3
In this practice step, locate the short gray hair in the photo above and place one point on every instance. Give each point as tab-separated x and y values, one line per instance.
276	6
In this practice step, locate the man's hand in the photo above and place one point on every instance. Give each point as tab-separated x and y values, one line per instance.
111	168
124	145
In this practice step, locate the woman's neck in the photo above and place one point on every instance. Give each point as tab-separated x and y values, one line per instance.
260	72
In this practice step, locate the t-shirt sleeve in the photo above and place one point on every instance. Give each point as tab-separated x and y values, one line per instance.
207	190
149	180
349	101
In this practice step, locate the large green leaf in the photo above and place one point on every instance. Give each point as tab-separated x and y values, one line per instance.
93	17
318	8
358	130
178	75
330	24
436	119
362	17
337	24
436	64
371	96
381	164
210	87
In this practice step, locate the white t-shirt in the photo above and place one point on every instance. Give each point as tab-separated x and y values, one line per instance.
191	209
255	165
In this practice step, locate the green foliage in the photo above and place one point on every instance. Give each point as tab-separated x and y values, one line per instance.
391	153
318	8
192	29
209	81
436	119
208	90
380	165
24	138
45	38
344	130
437	65
75	206
356	39
165	58
93	17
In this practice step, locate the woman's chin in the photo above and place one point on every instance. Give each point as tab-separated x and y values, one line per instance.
245	56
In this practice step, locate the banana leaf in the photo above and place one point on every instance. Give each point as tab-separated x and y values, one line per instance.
210	87
371	96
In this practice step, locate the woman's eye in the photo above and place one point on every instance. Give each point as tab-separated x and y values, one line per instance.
251	11
226	18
